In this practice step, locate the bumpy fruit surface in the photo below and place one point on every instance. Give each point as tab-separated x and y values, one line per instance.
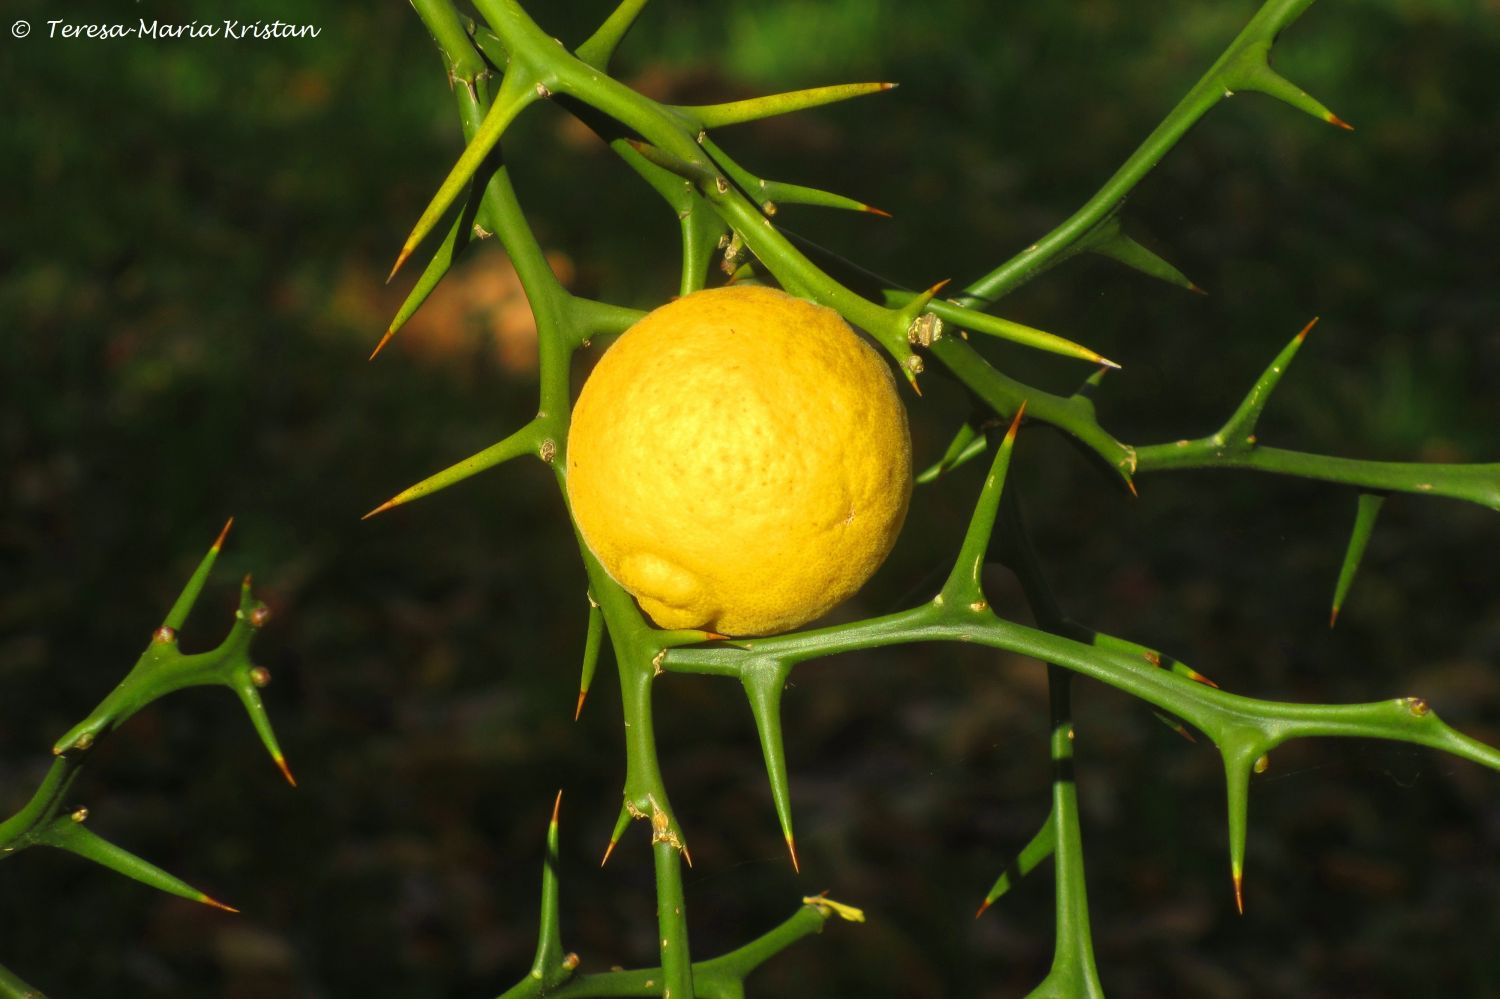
739	461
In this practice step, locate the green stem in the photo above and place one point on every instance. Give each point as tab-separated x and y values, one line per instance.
1073	974
1225	717
671	921
1474	483
1211	88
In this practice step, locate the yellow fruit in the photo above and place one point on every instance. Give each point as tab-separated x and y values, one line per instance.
739	461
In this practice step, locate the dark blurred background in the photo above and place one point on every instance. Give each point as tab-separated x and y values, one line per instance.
194	240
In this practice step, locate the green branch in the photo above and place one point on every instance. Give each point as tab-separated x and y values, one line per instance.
49	819
1243	65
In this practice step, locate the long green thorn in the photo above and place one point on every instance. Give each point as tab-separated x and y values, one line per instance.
433	273
183	605
591	646
67	832
1175	726
771	193
983	322
737	112
1359	538
964	582
763	687
1239	430
967	443
1267	81
1239	760
621	824
517	91
250	697
600	47
518	443
1038	849
1114	242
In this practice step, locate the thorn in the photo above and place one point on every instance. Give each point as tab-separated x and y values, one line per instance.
286	771
983	908
206	900
1106	362
383	341
1130	484
1196	290
686	855
578	712
401	259
219	542
1195	675
1334	119
872	210
1175	726
791	846
931	293
1239	891
556	804
382	508
1307	329
607	851
1015	422
889	86
1333	618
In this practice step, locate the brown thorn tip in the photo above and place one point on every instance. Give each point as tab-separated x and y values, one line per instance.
872	210
286	771
400	259
1107	362
1130	484
686	855
983	908
206	900
1334	119
1308	328
889	86
578	711
607	851
930	292
556	804
1195	675
1015	421
791	846
219	541
1239	892
1196	290
383	341
1333	617
382	508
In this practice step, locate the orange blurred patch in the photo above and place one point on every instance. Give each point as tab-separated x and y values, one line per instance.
479	309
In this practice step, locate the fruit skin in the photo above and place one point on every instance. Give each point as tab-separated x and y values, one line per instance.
739	461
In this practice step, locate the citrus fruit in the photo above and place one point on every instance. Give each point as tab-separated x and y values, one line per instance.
739	461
